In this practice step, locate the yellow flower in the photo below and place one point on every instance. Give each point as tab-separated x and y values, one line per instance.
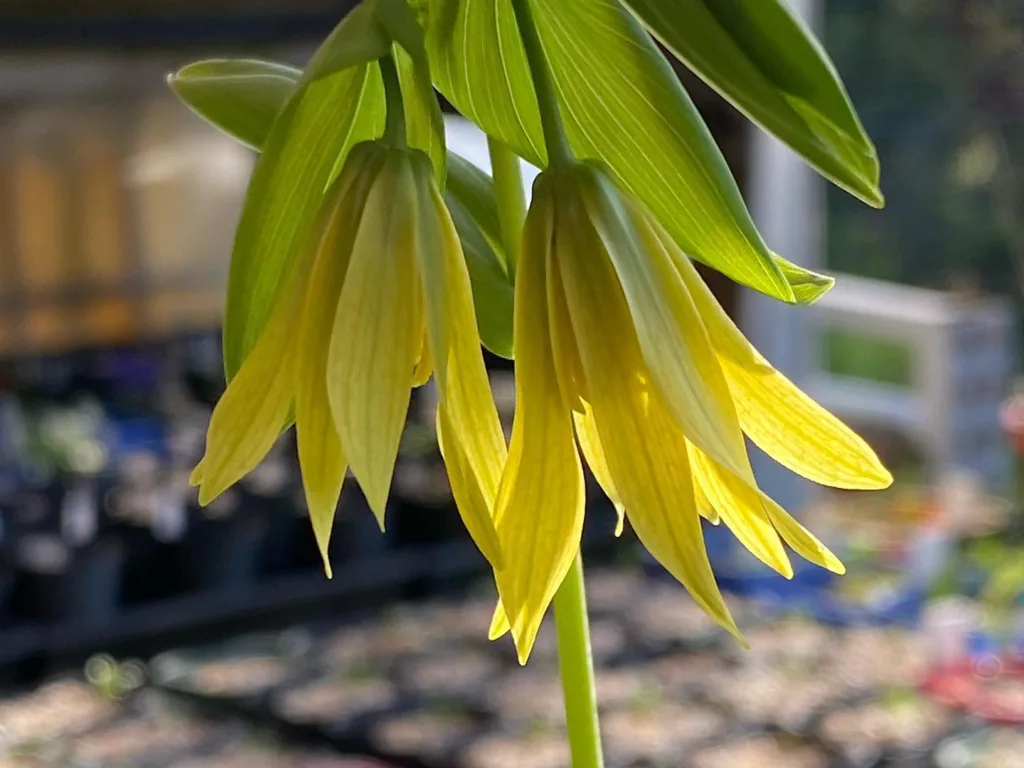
623	353
377	301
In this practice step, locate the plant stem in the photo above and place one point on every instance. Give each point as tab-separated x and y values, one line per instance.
577	669
559	152
394	121
508	190
575	662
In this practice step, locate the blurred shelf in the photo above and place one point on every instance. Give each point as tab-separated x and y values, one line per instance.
213	612
138	27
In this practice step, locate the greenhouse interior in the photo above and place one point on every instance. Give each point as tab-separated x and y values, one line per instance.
138	628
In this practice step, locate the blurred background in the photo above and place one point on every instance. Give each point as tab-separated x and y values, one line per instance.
139	630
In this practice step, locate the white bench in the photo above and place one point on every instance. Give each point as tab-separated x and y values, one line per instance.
961	353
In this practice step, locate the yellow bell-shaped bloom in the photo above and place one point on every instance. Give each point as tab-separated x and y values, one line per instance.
623	353
377	301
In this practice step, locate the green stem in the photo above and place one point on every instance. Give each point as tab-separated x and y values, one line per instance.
575	662
394	121
577	669
508	190
559	152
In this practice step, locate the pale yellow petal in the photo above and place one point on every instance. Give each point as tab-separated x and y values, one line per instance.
801	435
742	510
649	462
644	447
541	499
499	623
704	506
376	337
590	443
321	457
568	366
801	540
682	365
249	416
424	364
783	421
475	507
474	444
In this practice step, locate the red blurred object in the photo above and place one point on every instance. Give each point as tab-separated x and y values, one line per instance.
998	698
1011	417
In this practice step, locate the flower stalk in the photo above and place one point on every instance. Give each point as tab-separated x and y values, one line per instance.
508	192
555	141
575	661
576	666
394	121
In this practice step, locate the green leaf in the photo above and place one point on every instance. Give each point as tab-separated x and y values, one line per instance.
621	104
766	62
644	125
474	190
471	200
303	153
807	286
478	63
492	290
357	39
240	96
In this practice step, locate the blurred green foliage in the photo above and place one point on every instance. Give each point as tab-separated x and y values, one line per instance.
940	87
867	357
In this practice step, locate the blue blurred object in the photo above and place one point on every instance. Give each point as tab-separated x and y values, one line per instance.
812	590
741	573
984	651
901	607
139	434
981	644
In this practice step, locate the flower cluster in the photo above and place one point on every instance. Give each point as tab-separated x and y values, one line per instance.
622	355
624	359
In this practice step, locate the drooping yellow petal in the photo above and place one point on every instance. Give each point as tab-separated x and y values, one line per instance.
424	364
742	509
683	366
644	447
249	416
474	444
590	443
783	421
475	501
704	506
648	459
568	366
800	539
377	332
499	623
541	499
321	457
